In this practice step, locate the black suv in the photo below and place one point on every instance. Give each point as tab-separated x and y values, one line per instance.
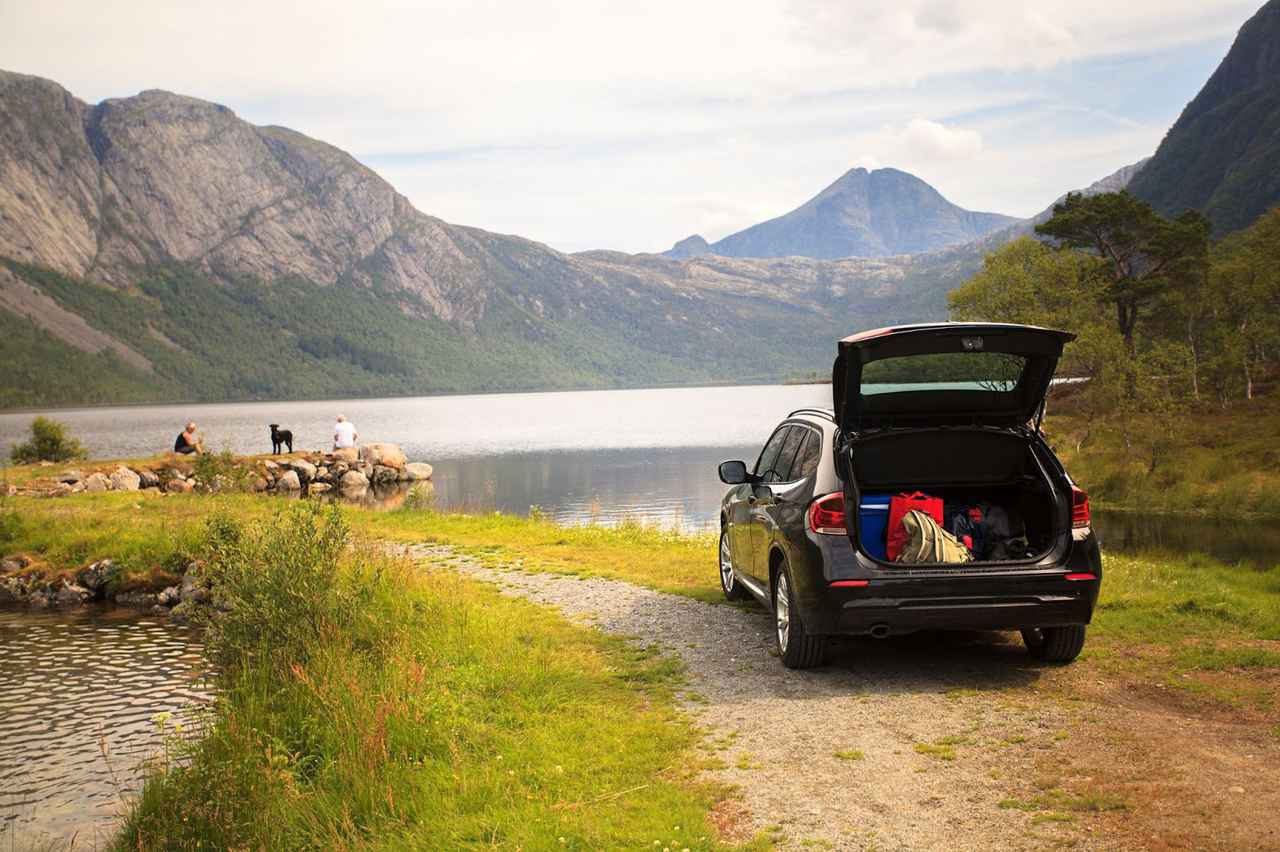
949	409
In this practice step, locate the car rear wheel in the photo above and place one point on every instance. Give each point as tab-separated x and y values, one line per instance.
729	584
1055	644
798	649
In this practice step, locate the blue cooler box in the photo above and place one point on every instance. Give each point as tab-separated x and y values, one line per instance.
873	521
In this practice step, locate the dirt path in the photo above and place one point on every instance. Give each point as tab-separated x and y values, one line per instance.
893	745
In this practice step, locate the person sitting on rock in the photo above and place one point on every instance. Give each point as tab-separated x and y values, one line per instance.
344	434
188	442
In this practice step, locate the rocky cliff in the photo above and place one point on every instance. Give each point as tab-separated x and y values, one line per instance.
1222	155
159	247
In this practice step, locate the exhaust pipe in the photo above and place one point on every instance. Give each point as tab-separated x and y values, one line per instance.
880	631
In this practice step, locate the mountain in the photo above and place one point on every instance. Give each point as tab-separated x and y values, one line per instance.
863	214
158	247
1222	155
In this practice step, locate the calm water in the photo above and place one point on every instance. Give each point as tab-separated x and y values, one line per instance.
79	693
579	456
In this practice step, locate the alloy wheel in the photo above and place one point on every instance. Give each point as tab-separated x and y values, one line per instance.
726	564
782	611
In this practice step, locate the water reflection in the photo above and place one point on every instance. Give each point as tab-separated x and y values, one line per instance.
79	693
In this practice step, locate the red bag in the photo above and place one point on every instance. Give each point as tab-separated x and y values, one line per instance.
898	508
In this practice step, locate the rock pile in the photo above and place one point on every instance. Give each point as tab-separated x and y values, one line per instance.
351	471
21	585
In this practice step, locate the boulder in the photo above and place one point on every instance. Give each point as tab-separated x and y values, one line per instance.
72	595
96	482
288	481
63	489
383	474
137	600
367	470
318	487
415	471
179	486
322	474
260	484
337	470
123	479
168	596
8	566
12	591
387	455
193	588
354	480
70	476
97	575
306	470
347	454
148	478
270	465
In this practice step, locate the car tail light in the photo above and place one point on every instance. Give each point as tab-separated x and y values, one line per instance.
826	514
1081	576
851	584
1079	508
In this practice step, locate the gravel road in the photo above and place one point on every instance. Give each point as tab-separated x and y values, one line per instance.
934	734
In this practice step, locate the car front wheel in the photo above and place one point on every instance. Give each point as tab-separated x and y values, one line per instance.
729	584
1055	644
798	649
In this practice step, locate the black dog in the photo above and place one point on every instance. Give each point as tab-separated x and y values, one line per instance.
280	437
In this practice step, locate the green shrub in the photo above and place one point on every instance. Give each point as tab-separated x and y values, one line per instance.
219	471
278	586
49	442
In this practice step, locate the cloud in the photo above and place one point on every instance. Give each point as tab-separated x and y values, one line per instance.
923	139
606	123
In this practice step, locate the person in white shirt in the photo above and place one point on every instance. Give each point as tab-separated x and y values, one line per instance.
344	434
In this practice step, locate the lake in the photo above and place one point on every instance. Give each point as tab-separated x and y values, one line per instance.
579	456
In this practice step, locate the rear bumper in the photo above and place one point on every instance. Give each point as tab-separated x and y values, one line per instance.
1039	597
905	606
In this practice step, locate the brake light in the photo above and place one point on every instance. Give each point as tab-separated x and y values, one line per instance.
853	584
1079	508
826	515
1079	577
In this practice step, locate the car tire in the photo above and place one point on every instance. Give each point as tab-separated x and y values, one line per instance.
733	590
797	648
1055	644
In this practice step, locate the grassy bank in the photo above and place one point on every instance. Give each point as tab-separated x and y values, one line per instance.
367	703
1211	461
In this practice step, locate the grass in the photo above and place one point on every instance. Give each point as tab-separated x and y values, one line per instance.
393	708
849	754
942	749
1221	463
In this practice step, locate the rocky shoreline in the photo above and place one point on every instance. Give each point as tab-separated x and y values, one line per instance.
29	589
351	473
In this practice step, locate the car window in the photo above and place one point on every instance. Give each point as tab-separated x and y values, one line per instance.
765	466
787	457
807	458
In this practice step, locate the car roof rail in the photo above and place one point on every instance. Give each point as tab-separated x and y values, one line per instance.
824	413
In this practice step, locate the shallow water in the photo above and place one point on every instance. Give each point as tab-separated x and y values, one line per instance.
76	717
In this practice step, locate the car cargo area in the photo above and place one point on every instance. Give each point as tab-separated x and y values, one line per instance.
971	471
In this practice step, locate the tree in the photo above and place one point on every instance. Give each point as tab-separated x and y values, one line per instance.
1028	282
1138	252
49	442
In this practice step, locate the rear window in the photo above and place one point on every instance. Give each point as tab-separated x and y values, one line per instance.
983	371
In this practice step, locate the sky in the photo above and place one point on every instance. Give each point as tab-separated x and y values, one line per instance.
591	124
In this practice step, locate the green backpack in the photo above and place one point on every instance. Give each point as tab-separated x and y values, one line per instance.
928	542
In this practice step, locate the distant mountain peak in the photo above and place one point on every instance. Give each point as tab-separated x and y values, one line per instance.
864	213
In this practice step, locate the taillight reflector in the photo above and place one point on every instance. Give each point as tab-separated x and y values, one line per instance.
1081	577
826	515
850	583
1079	508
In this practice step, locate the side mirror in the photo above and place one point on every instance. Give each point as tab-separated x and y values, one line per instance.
734	473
